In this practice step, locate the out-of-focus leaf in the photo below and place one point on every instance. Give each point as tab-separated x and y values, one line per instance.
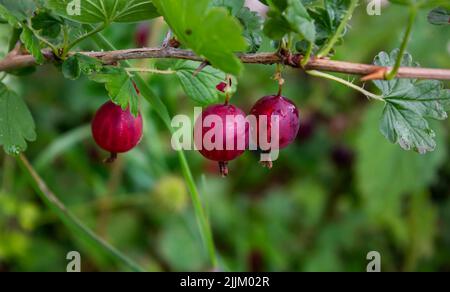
385	172
16	123
21	9
180	248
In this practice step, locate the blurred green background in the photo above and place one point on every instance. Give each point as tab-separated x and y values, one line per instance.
339	192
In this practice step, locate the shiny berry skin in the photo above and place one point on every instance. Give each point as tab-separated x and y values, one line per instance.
235	133
116	130
287	112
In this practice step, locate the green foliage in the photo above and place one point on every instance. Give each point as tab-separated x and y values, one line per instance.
120	87
289	16
210	32
328	18
8	16
385	172
308	213
409	103
106	11
388	177
47	24
17	125
202	87
20	9
31	42
422	3
118	82
250	20
79	64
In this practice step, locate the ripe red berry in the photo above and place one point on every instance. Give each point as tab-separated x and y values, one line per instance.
289	119
229	122
116	130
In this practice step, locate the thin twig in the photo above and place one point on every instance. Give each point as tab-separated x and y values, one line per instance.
110	57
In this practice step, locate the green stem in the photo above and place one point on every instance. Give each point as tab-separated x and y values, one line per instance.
87	35
412	17
202	219
307	55
72	222
161	110
337	34
42	39
346	83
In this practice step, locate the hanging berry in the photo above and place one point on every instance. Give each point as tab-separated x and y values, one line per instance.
287	113
116	130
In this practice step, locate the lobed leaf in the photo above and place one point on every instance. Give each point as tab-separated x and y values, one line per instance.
202	87
104	11
210	32
16	123
409	103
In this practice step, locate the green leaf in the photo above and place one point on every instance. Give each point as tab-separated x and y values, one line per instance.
409	103
385	173
32	44
287	16
234	6
8	16
120	87
21	9
47	24
327	19
300	21
100	11
252	24
250	21
77	64
276	26
202	87
209	32
439	16
16	123
117	81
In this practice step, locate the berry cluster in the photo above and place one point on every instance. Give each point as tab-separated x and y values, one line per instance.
268	106
117	131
